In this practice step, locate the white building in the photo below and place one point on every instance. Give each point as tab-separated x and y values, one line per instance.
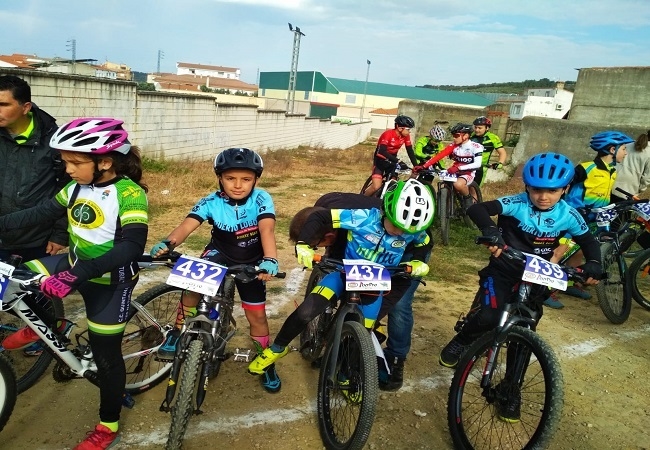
547	102
232	73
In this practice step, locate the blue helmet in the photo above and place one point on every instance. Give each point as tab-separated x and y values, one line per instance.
601	142
548	171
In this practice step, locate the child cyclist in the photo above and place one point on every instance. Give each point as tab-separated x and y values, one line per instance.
593	182
107	208
385	157
378	235
428	146
466	157
243	232
532	221
490	143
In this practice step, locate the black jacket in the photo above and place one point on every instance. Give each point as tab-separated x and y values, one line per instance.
30	174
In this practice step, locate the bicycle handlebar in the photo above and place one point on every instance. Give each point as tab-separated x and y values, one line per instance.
573	273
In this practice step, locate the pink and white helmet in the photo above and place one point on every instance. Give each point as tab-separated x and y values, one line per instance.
96	135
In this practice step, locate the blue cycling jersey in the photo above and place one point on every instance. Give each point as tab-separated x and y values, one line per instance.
532	230
235	232
368	239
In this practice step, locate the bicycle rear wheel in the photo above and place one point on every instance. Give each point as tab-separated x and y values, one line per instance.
185	401
506	413
146	329
444	212
8	390
313	337
613	293
29	363
639	280
347	405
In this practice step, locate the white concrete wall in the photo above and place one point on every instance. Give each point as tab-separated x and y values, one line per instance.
180	125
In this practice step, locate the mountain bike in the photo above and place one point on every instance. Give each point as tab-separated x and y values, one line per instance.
614	291
638	279
8	390
143	334
202	343
348	387
511	368
450	203
398	172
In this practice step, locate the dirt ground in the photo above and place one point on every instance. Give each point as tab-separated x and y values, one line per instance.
605	367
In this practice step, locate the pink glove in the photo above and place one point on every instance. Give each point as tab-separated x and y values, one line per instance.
452	170
59	285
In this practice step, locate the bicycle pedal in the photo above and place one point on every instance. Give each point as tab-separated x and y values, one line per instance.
242	355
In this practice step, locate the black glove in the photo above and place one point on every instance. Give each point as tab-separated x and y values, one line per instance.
401	165
493	232
592	269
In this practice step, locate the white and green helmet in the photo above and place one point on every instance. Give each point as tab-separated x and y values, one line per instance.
409	206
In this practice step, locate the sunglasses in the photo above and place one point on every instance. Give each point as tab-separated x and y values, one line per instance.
457	135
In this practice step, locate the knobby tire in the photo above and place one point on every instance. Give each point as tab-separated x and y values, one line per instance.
444	212
613	294
8	390
357	363
471	410
145	372
639	279
184	405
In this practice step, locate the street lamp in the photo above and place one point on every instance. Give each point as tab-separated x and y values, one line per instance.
291	91
365	89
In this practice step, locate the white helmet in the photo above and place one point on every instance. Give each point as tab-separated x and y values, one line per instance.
409	206
96	135
438	133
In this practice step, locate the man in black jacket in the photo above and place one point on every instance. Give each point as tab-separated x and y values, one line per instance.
30	173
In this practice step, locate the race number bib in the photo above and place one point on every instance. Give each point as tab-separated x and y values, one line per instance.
6	269
197	275
4	283
605	215
444	176
362	275
540	271
643	210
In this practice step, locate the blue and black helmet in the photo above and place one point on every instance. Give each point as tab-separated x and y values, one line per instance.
548	171
601	142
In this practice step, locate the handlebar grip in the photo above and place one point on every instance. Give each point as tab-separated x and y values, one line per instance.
317	257
280	275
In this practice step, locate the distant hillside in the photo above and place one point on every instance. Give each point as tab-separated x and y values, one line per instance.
511	87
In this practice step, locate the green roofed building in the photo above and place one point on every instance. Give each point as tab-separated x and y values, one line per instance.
319	96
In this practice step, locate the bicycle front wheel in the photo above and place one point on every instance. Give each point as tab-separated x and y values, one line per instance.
444	212
638	279
521	405
29	363
347	404
366	185
8	390
613	293
184	405
151	316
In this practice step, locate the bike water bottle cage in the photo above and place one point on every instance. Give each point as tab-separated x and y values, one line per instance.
93	135
548	171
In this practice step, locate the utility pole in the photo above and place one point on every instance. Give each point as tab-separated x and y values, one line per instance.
365	89
291	91
72	46
161	55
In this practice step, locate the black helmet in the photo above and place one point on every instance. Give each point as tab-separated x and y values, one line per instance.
238	158
404	121
461	128
482	120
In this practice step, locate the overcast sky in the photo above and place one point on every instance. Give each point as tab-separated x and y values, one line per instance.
416	42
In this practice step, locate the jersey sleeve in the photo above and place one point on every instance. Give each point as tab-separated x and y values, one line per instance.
351	219
201	211
510	204
496	141
134	208
264	205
